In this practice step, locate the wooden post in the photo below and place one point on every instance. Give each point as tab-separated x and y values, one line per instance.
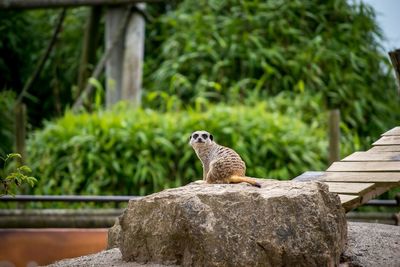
395	59
124	67
104	58
334	135
113	65
133	58
20	130
88	57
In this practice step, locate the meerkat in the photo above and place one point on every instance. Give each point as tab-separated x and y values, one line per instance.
220	164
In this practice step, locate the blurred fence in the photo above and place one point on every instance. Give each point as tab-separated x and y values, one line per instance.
104	218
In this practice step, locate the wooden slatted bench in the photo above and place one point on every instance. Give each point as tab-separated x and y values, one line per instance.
362	176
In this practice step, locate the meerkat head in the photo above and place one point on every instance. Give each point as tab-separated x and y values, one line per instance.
200	139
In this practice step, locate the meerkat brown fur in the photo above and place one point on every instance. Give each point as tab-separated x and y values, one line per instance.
221	165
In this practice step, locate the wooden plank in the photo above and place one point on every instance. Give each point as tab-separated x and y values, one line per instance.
387	140
349	202
373	156
350	188
309	176
372	166
368	177
394	131
390	148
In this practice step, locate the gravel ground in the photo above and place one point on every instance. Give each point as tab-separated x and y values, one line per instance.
106	258
369	245
372	244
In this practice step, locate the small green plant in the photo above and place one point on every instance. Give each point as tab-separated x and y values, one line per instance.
13	177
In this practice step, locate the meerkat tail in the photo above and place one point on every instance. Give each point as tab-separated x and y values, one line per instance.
239	179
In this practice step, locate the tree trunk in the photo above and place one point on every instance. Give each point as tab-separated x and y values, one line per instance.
334	135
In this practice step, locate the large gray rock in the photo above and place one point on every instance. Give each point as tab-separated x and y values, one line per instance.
113	237
280	224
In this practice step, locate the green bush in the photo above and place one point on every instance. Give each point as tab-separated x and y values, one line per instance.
126	151
231	50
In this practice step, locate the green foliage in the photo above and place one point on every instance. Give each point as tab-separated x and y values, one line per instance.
226	51
12	177
16	44
25	35
126	151
7	100
232	50
55	88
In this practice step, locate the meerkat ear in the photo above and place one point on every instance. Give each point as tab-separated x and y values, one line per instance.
190	137
211	137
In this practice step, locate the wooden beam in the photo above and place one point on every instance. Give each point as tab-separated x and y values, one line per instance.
374	166
394	131
387	140
393	148
378	190
34	4
373	156
367	177
350	188
349	202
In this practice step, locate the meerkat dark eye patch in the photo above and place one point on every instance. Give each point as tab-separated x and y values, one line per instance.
195	136
211	137
204	136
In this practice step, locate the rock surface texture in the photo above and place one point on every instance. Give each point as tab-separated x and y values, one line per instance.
113	238
280	224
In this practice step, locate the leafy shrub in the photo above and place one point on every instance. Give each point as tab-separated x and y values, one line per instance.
229	50
127	151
